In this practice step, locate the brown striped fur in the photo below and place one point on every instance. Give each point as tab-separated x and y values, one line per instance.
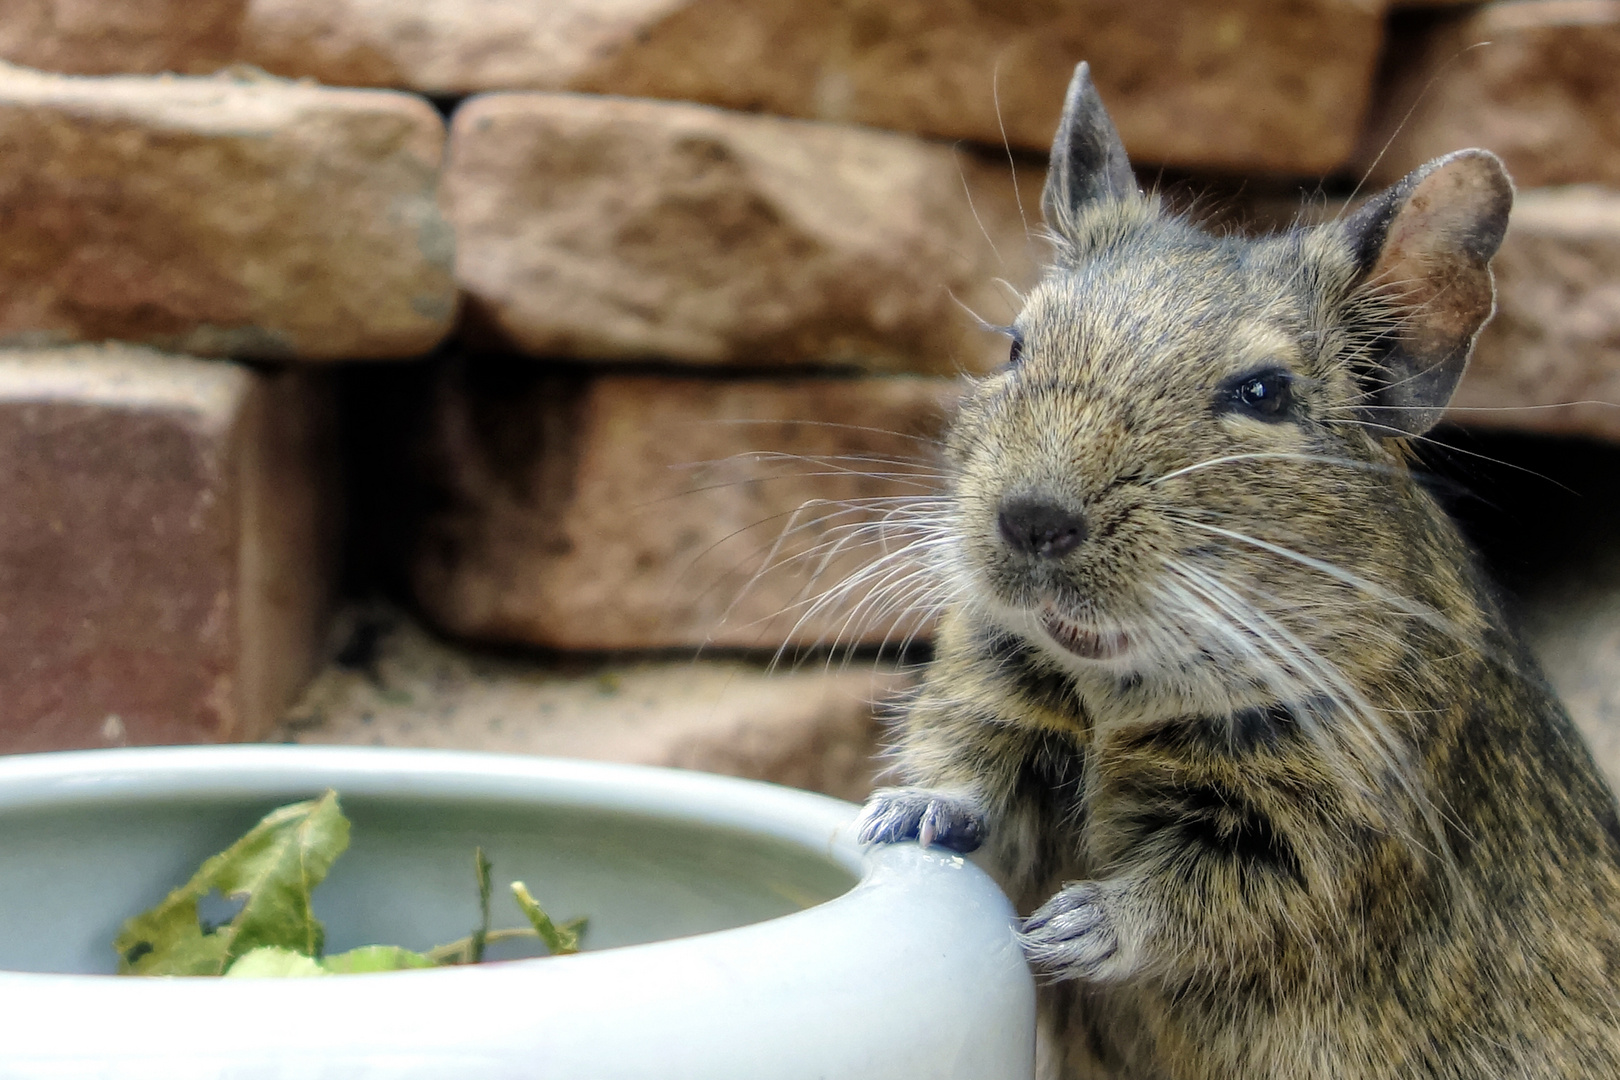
1322	818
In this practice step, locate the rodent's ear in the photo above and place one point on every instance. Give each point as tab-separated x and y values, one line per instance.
1425	246
1088	160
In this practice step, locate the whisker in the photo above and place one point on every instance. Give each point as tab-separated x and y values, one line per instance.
974	210
1278	455
1391	752
928	441
1404	434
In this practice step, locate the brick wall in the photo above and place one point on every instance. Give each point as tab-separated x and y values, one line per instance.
605	324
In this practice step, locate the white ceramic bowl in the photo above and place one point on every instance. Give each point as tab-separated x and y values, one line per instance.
741	931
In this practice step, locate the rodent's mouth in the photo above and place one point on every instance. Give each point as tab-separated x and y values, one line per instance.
1090	644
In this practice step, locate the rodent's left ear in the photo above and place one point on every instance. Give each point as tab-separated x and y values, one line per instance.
1088	159
1425	245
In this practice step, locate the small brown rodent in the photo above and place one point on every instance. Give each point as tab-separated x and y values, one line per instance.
1223	693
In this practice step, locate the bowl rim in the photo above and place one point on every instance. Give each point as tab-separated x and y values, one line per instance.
818	825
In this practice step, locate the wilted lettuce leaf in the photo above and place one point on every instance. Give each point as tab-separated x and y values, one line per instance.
374	958
561	940
480	936
272	870
273	962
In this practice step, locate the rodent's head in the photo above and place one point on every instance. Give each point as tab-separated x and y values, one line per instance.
1192	425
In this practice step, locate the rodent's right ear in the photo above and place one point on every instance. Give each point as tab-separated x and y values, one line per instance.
1424	246
1088	158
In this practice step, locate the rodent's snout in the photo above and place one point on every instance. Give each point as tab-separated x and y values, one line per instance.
1034	526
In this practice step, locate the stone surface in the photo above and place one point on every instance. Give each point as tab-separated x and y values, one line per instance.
1555	339
1544	93
1229	84
812	728
654	511
253	218
109	37
634	229
166	548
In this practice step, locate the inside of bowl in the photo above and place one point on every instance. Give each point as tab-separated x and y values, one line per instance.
70	875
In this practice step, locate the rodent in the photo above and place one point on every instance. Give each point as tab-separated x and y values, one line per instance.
1222	694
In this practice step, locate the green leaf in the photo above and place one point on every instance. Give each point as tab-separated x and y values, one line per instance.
560	940
373	958
272	869
272	962
475	950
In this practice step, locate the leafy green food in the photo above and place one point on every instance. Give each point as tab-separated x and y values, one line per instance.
480	936
560	940
273	962
374	958
270	873
272	869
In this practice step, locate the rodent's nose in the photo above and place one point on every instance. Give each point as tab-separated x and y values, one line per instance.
1040	528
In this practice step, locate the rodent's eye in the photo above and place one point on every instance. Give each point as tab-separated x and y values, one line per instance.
1264	395
1015	352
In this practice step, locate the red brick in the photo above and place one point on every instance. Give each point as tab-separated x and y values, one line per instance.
1229	84
1548	360
1535	81
641	511
254	218
815	727
165	554
618	229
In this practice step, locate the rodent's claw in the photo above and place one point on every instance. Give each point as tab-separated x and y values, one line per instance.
1071	936
928	817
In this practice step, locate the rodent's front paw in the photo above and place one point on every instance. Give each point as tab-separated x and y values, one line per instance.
924	815
1073	935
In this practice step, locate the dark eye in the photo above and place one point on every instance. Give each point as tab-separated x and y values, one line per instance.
1265	395
1015	352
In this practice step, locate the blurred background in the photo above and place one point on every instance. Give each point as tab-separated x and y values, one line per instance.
548	376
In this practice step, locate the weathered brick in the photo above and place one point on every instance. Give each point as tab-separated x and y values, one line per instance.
609	228
1555	339
1230	84
247	218
165	554
813	727
110	37
645	511
1536	81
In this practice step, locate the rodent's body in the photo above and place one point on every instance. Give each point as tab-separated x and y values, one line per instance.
1222	691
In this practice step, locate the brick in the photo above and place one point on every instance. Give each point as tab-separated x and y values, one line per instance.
812	728
1555	338
1544	93
1228	84
165	555
641	511
633	229
109	37
256	218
